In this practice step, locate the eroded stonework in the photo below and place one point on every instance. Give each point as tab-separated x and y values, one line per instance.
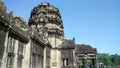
40	43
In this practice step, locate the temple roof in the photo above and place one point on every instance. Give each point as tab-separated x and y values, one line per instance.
84	49
44	13
68	44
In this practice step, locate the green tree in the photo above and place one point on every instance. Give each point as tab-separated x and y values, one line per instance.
109	60
104	58
115	59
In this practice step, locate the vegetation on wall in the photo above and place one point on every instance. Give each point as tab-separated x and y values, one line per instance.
2	6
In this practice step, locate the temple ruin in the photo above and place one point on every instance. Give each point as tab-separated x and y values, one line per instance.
40	43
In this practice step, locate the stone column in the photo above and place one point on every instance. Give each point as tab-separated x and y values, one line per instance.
59	59
16	54
74	57
85	62
53	58
4	59
44	65
95	63
26	60
78	63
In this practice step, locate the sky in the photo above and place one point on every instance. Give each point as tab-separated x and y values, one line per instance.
93	22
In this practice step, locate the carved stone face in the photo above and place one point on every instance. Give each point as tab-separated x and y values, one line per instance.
20	23
17	22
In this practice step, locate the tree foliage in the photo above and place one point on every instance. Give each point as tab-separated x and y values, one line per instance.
109	60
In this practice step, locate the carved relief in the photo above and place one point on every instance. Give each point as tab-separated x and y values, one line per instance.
47	19
20	23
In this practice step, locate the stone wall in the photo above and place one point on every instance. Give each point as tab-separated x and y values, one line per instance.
2	44
19	48
40	43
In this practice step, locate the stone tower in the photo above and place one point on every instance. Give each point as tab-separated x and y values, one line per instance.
46	20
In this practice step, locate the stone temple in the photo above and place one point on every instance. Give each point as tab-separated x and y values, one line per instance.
40	43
